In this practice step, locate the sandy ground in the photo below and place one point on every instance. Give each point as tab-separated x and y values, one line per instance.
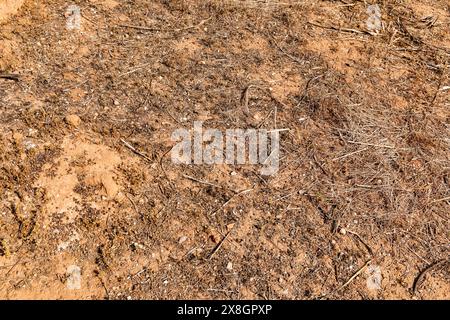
92	207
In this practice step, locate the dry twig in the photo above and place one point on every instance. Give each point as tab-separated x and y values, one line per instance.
129	146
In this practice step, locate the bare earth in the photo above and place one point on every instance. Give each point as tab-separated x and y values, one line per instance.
86	177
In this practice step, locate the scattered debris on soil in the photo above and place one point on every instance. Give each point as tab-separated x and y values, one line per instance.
92	207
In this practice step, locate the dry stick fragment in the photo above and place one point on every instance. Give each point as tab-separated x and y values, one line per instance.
159	29
221	290
219	245
166	111
350	154
357	273
372	144
419	279
196	26
129	146
353	277
278	130
13	266
200	181
264	120
361	240
418	256
244	100
139	27
286	53
163	170
439	200
437	90
9	76
88	19
134	70
229	200
340	29
104	287
305	91
133	203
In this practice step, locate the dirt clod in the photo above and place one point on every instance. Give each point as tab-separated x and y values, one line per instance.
73	120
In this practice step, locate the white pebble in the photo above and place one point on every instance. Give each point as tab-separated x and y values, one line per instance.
182	239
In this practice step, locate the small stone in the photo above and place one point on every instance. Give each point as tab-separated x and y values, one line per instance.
343	231
73	120
230	266
136	245
182	239
29	145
